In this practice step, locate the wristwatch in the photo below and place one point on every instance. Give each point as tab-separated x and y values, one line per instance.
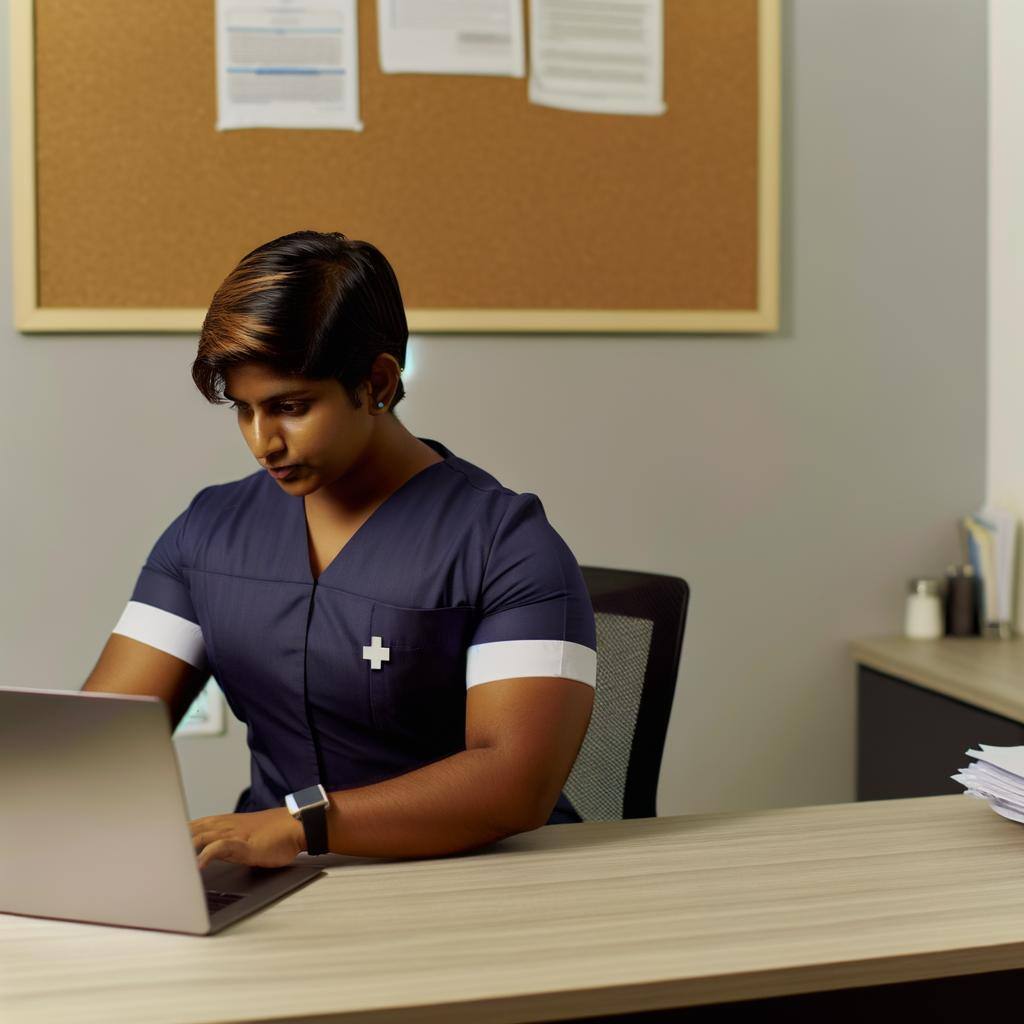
309	805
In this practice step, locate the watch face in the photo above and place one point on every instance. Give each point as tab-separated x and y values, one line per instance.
305	797
309	795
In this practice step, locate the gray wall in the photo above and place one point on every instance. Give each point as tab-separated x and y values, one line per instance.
796	480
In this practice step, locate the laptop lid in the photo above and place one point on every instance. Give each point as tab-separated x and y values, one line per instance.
95	822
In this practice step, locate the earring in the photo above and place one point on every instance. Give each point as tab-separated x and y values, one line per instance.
380	405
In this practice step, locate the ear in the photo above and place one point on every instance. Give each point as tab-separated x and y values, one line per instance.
383	382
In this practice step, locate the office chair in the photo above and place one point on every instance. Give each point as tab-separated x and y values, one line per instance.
640	619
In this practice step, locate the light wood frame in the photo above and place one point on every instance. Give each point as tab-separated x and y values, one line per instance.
29	316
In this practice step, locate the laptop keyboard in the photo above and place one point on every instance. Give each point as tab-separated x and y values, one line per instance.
219	900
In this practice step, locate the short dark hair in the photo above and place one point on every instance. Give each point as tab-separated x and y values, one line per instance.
312	304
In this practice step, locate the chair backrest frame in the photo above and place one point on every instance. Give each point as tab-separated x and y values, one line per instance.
664	600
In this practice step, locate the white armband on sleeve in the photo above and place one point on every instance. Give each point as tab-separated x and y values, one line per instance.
163	630
505	659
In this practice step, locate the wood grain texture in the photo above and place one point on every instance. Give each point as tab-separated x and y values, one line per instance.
569	920
482	201
986	673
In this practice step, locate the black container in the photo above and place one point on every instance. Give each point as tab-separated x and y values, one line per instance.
962	602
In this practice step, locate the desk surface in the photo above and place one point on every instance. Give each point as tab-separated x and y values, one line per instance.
988	674
569	920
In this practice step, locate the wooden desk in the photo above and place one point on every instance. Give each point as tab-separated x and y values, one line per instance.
572	921
922	703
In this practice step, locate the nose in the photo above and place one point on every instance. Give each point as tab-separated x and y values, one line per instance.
264	441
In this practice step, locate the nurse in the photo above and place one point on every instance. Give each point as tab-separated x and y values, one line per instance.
409	643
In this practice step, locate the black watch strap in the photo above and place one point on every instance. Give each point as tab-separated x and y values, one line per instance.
314	821
310	805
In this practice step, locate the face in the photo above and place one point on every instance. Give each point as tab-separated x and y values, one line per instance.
295	421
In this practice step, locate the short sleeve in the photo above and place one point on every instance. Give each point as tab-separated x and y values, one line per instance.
536	615
160	612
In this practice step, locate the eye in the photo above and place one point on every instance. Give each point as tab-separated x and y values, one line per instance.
288	408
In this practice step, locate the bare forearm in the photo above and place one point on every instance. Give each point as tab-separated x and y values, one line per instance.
454	804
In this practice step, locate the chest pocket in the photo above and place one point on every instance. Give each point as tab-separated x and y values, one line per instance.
419	690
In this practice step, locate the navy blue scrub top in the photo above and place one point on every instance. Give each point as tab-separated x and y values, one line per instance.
361	674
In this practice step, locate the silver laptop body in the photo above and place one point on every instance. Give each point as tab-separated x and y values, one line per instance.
94	825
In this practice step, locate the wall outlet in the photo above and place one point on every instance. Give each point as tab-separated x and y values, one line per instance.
205	716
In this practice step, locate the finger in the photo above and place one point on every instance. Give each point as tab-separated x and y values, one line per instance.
204	838
201	839
232	850
207	854
212	832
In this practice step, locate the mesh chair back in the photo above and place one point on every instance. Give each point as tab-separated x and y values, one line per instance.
640	620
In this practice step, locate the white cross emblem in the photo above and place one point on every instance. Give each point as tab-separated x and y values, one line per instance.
375	654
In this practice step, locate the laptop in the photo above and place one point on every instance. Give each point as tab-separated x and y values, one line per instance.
94	825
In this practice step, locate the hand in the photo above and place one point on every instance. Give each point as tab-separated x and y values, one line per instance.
266	839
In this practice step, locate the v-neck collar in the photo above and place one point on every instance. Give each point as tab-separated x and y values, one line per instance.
298	503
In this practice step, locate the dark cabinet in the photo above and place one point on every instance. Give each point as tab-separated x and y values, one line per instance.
910	740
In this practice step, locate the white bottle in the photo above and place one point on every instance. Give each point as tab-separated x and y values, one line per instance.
924	610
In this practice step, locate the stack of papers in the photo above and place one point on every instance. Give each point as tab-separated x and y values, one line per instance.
998	777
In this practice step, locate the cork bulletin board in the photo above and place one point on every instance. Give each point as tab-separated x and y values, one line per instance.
497	214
